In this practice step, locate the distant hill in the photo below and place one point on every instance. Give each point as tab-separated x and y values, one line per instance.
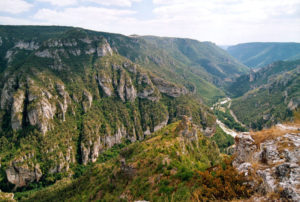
225	47
204	56
264	76
256	55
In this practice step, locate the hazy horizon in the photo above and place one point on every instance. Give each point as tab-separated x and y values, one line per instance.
224	22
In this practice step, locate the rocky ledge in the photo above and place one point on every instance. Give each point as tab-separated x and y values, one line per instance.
273	160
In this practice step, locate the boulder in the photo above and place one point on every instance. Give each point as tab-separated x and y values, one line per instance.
244	150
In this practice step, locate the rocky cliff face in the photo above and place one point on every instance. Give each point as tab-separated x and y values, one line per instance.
30	103
272	158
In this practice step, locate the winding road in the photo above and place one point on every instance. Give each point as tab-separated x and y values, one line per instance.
227	130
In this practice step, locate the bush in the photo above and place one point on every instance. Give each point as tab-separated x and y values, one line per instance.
165	188
184	174
222	183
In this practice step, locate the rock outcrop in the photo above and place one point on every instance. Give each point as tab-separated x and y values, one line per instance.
120	82
17	110
105	82
7	93
294	103
21	175
188	130
32	45
87	100
91	149
147	90
157	127
273	160
104	49
30	103
168	88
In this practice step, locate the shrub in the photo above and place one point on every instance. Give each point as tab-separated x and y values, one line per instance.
184	174
165	188
222	183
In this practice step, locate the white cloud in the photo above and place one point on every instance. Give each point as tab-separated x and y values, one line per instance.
14	6
60	2
15	21
220	21
231	21
249	10
88	17
121	3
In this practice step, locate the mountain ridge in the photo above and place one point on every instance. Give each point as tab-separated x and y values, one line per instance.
260	54
159	60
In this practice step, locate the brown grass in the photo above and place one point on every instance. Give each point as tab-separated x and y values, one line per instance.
271	133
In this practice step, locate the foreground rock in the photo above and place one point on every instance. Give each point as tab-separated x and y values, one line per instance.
272	158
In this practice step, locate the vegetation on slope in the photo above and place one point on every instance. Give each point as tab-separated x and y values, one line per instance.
205	65
274	99
223	140
171	165
264	76
200	55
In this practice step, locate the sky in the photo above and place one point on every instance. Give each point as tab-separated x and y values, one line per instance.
224	22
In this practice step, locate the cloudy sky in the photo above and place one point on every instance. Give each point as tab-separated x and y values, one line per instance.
224	22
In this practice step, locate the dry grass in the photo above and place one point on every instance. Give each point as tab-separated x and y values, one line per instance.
271	133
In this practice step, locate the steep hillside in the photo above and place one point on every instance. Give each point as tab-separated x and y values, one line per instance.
272	94
203	64
69	94
255	79
256	55
168	166
204	58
